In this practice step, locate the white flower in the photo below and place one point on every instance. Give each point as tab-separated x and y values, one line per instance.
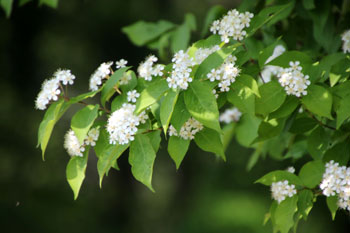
336	181
202	53
180	75
230	115
65	76
122	124
290	169
49	91
72	145
132	96
125	78
293	80
121	63
232	25
188	130
92	136
226	73
346	41
146	69
100	73
281	189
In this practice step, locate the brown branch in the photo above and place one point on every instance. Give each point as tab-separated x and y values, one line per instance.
318	121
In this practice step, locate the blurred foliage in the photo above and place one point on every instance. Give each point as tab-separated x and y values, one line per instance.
205	195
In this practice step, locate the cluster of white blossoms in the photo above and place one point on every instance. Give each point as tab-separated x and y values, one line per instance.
122	124
336	181
290	169
226	74
346	41
132	96
72	145
50	89
100	73
202	53
293	80
281	189
230	115
270	70
232	25
147	69
180	75
188	130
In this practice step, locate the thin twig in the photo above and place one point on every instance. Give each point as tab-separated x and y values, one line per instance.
318	121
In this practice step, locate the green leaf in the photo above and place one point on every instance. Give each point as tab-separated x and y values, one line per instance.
214	13
108	88
305	202
269	14
247	129
284	213
140	33
327	63
279	175
317	143
182	34
227	134
309	4
201	104
118	102
267	52
7	6
50	3
332	203
242	98
318	100
214	60
107	154
141	159
270	128
180	113
167	108
210	140
84	96
339	153
155	139
75	171
52	115
132	83
272	97
343	111
82	121
284	59
151	94
302	125
289	105
177	148
311	173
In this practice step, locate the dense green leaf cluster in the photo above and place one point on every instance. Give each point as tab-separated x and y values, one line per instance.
314	127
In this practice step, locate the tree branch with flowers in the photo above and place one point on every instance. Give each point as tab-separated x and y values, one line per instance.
285	103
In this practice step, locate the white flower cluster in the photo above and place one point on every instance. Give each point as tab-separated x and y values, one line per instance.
146	69
188	130
336	181
346	41
132	96
232	114
100	73
270	70
232	25
281	189
50	88
180	75
293	80
72	145
202	53
121	63
122	124
290	169
226	74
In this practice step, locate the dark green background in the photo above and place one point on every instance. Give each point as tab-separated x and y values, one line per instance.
205	195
